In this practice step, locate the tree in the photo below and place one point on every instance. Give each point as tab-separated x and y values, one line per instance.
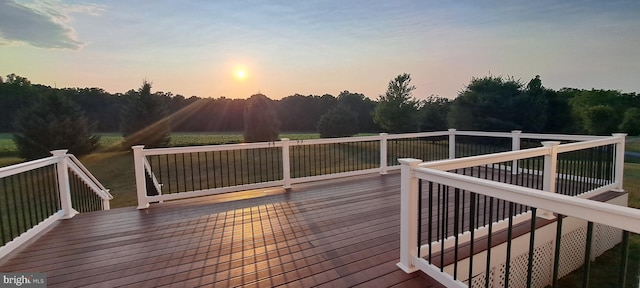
260	120
559	116
434	112
338	122
397	110
53	122
302	113
144	119
589	107
531	106
500	104
363	108
601	120
631	122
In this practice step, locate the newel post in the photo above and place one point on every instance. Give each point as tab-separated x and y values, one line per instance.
383	154
286	164
550	174
408	214
64	189
515	146
452	143
619	172
141	182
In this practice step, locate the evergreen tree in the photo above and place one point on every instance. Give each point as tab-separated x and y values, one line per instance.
338	122
144	119
53	122
397	110
261	122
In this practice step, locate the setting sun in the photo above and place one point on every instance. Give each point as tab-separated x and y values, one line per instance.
241	74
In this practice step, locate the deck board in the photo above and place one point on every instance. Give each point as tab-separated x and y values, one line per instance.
337	233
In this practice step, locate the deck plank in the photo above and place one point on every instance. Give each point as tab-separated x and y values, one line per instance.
337	233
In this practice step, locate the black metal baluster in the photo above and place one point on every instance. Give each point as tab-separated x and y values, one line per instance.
507	271
556	258
23	209
419	216
430	223
472	225
532	237
5	200
456	231
489	238
587	255
624	259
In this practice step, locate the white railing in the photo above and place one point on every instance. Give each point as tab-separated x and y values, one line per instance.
39	193
298	161
443	173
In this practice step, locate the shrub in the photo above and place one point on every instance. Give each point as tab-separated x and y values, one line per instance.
261	122
338	122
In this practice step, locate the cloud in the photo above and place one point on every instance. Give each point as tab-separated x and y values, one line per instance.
44	24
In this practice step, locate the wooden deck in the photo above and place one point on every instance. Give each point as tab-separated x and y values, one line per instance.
339	233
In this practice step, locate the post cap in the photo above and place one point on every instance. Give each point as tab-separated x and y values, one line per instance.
59	152
550	143
410	161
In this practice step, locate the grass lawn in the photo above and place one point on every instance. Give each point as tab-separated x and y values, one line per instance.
633	144
114	168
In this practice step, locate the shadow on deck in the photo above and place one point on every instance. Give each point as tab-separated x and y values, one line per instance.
338	233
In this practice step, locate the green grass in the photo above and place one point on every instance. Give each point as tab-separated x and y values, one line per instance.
7	146
604	271
633	144
110	142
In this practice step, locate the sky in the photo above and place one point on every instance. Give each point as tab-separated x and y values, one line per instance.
196	48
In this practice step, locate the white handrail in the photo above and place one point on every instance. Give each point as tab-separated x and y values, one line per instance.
210	148
90	180
24	167
611	215
473	161
147	167
383	167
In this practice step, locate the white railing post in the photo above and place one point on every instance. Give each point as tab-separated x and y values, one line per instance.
141	182
515	146
619	172
408	214
286	164
452	143
105	204
383	154
550	173
63	184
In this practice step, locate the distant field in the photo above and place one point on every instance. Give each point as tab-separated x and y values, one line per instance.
111	141
7	146
633	144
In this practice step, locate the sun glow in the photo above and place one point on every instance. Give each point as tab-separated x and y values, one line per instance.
241	74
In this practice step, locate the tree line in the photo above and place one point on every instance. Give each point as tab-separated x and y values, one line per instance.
489	103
